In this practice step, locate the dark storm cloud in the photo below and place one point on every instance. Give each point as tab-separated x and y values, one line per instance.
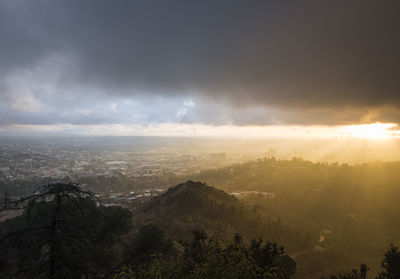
320	61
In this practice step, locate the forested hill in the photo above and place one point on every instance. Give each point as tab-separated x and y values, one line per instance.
354	209
194	198
322	193
183	233
196	206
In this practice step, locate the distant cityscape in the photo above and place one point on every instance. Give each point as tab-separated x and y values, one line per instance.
121	171
27	161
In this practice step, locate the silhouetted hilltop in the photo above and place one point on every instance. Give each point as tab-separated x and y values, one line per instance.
196	206
193	206
195	198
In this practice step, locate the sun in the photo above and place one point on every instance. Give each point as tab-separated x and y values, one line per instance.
374	131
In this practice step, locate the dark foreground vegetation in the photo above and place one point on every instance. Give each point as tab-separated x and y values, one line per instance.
64	232
191	231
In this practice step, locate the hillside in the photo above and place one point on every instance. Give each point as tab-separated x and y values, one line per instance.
196	206
353	209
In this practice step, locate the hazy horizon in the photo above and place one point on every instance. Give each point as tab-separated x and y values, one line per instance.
348	150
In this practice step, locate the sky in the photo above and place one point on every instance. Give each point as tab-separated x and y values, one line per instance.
270	68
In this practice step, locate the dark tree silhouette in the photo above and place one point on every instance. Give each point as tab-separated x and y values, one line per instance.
391	264
354	274
63	233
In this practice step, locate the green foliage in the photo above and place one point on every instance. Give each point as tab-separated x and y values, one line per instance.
149	240
390	267
161	267
124	273
211	258
390	264
360	273
272	255
333	216
63	233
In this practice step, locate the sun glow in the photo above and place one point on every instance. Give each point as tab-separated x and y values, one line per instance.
375	131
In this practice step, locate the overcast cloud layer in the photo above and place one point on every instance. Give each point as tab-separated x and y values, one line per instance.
212	62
